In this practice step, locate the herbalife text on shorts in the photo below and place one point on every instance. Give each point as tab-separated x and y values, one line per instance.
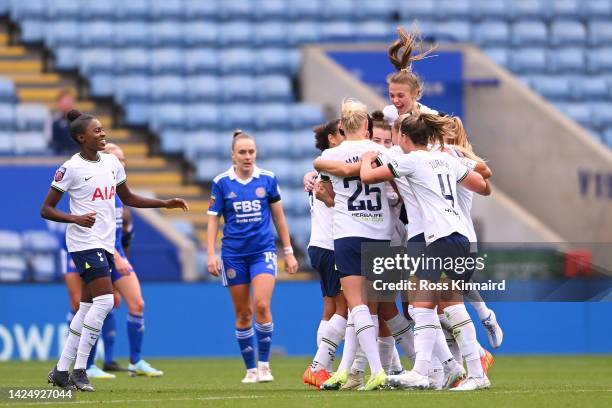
409	263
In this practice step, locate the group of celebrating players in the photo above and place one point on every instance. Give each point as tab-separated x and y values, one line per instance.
404	176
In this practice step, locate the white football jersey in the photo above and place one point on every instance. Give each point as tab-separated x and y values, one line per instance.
91	186
360	210
321	222
413	211
391	114
465	196
433	177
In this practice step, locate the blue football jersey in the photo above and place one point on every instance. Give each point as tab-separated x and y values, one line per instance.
119	225
245	206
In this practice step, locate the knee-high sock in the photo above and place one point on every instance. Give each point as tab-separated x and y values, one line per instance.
330	339
424	338
320	331
91	360
361	361
350	344
246	343
367	335
135	329
403	333
386	345
450	339
478	304
396	363
92	326
74	336
109	332
464	331
263	332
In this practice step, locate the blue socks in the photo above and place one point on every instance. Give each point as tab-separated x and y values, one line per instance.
264	340
247	346
135	329
109	331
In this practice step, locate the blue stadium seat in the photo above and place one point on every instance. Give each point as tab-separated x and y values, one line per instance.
166	34
600	33
204	116
528	9
184	227
303	143
300	231
63	33
237	61
454	9
306	115
270	35
598	9
132	88
201	33
238	88
280	167
490	9
137	113
133	61
96	10
552	87
200	10
43	266
237	115
168	89
418	9
273	88
606	137
301	167
10	242
96	61
272	116
167	61
602	114
203	89
590	88
374	31
166	116
599	60
132	34
267	10
529	33
580	113
529	60
31	9
172	141
302	32
7	117
63	10
340	10
492	33
569	60
198	61
236	33
31	117
98	34
102	85
498	55
137	10
7	90
273	144
13	269
209	168
305	10
7	143
380	10
564	33
565	9
32	31
27	143
200	144
338	31
455	31
236	10
66	58
40	240
167	10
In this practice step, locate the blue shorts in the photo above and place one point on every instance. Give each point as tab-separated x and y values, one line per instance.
455	246
324	262
238	271
93	263
348	255
68	266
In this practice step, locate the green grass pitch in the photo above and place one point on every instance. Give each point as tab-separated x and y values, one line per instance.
555	381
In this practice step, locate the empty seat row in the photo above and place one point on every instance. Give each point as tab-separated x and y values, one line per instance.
24	117
31	254
594	115
23	143
579	88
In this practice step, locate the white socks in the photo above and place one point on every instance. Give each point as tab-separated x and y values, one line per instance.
450	339
425	322
320	331
92	325
386	345
396	363
402	330
366	333
74	335
330	339
478	304
465	333
350	345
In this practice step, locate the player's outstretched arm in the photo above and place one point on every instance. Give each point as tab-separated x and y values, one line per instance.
50	212
278	215
370	174
476	183
134	200
337	168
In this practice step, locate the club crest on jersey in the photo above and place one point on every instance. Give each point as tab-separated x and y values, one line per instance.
231	273
106	194
260	192
59	174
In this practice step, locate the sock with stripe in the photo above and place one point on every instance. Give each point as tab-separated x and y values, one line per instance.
350	344
135	329
330	339
366	333
74	336
92	326
465	333
109	332
386	345
320	331
246	343
450	339
403	333
424	338
264	331
442	352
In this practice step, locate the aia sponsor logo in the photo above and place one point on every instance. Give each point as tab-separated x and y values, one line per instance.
108	193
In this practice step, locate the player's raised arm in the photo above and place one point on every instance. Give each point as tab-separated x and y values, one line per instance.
370	174
134	200
336	168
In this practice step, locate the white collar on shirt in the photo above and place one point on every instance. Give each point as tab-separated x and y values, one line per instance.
234	176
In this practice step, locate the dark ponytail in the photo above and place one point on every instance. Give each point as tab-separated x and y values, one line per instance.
78	123
323	131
